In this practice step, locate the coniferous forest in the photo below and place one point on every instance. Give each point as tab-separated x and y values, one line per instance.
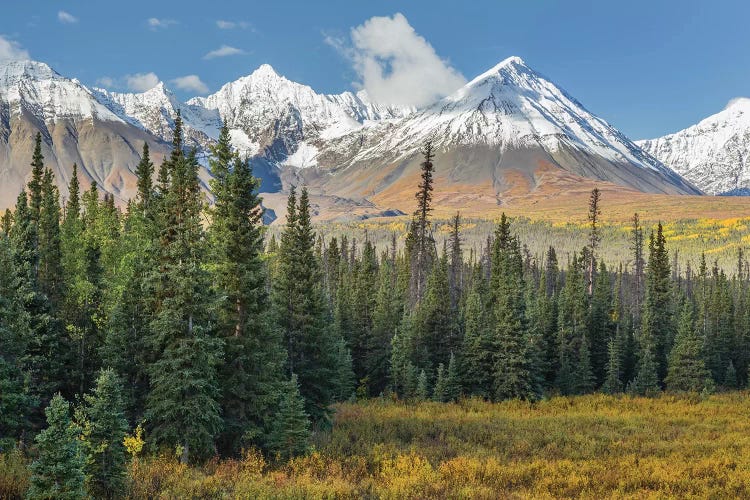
175	327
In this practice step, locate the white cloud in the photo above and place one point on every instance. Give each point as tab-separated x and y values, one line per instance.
230	25
155	23
141	82
11	50
191	83
105	81
736	100
396	65
224	51
66	17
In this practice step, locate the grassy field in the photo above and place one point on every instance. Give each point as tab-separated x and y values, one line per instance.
584	447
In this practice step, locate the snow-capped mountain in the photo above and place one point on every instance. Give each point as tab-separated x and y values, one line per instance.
508	127
508	119
273	116
714	154
75	126
155	110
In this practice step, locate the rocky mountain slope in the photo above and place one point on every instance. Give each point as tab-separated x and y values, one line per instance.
76	127
714	154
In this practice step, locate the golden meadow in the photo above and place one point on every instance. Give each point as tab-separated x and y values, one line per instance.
720	239
593	446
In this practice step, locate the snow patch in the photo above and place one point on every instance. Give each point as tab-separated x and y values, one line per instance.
305	156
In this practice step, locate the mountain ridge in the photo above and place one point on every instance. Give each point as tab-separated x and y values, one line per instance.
506	122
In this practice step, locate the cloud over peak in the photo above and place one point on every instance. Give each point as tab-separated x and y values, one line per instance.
396	65
141	82
10	50
190	83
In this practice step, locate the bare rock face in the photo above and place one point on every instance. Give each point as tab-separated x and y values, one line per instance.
713	154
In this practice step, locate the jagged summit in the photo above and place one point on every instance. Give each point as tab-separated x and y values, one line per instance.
11	71
714	154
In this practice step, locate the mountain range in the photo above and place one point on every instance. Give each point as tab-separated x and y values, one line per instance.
508	132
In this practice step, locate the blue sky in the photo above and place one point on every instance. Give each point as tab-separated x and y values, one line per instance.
647	67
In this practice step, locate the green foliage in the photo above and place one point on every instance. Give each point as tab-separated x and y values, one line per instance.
422	392
182	407
300	311
58	471
687	369
290	430
103	425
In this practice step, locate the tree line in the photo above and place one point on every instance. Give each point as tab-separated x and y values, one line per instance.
180	320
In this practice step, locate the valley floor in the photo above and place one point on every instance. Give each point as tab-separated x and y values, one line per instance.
584	447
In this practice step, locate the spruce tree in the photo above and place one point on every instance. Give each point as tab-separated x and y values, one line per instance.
452	380
439	392
646	380
182	407
145	171
103	424
50	254
657	326
687	369
423	390
584	379
15	400
600	325
290	431
613	380
300	311
419	241
58	471
476	349
253	355
385	321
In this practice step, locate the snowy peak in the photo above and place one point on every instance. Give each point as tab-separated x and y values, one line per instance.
270	114
714	154
511	64
511	105
36	88
13	71
155	111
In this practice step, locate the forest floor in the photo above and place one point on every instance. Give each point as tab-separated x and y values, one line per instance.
580	447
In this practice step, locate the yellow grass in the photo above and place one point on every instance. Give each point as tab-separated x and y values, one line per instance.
584	447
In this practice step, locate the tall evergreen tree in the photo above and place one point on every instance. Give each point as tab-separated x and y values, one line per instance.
290	430
103	424
15	400
657	326
145	171
687	370
300	311
182	406
514	371
253	353
594	236
419	241
58	471
476	349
